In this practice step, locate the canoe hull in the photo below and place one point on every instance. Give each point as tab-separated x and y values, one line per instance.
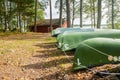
96	51
70	41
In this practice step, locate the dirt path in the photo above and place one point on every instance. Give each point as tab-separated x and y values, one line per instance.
34	56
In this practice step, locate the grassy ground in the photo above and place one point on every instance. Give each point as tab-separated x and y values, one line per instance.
30	56
34	56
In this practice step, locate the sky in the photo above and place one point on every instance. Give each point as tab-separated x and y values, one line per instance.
54	11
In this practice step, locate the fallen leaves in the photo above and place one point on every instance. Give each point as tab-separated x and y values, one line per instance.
34	56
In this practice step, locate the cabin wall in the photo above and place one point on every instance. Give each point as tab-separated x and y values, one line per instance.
46	28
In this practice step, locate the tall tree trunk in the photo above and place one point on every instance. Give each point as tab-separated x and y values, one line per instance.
24	25
9	18
35	25
1	21
19	15
5	15
51	28
17	20
68	13
1	17
112	14
91	7
99	14
73	17
94	13
108	21
81	13
60	17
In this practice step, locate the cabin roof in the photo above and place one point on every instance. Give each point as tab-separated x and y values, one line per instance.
47	22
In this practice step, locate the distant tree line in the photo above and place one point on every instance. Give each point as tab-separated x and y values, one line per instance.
18	14
94	10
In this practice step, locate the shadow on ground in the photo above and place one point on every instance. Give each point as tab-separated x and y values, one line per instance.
55	59
47	45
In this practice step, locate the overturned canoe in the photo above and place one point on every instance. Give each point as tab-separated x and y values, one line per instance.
96	51
69	41
61	36
61	30
58	31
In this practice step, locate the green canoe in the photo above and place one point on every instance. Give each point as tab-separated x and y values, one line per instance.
68	41
96	51
58	31
60	36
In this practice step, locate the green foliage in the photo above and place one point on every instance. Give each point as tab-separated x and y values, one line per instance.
9	10
15	30
116	26
40	14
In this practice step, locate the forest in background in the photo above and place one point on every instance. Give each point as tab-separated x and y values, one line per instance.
16	15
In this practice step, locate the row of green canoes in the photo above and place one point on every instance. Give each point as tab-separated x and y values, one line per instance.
92	46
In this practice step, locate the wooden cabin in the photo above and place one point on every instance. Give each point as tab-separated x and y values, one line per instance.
44	25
